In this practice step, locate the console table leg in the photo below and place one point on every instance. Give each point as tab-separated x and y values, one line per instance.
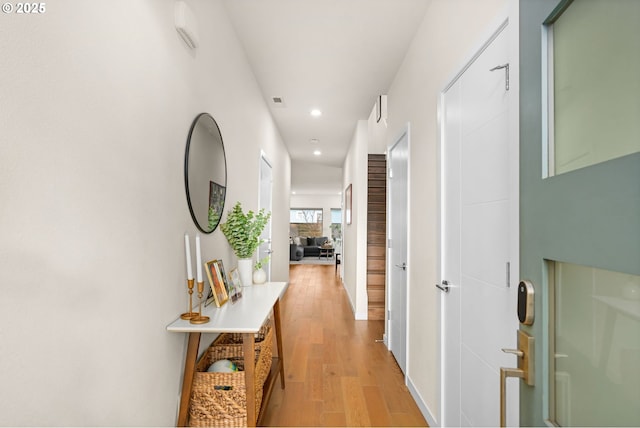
187	379
248	349
278	326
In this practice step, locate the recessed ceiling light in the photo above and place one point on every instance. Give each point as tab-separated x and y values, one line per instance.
317	152
293	192
316	113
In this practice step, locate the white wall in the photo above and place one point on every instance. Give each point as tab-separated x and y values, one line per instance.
97	99
451	31
354	235
310	178
369	137
326	202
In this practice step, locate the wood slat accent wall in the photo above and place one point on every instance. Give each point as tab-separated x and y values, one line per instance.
376	235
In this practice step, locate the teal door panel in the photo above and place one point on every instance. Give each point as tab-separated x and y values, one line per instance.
589	216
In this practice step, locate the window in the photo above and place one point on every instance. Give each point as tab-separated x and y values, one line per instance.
305	215
336	226
305	222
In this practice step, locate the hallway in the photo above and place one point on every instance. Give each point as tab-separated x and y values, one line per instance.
336	374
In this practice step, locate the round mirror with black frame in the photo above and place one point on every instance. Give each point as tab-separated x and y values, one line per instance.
205	173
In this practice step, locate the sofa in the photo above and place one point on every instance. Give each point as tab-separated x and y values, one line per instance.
309	246
296	252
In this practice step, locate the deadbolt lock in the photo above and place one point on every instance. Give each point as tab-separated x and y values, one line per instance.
525	302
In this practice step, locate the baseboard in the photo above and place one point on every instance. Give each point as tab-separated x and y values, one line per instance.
424	409
359	316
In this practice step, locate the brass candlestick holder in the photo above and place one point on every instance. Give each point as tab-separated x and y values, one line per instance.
189	315
199	318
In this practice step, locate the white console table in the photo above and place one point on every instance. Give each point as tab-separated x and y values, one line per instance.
246	316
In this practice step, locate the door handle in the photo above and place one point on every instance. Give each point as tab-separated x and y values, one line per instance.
517	352
269	251
444	287
525	370
504	374
506	69
403	266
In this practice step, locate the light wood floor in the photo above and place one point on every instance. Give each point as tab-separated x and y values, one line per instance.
336	374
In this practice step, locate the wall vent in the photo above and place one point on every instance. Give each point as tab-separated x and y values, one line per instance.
278	101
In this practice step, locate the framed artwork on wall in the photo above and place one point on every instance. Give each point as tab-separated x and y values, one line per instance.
347	204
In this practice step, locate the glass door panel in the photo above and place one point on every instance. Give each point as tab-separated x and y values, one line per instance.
594	90
595	349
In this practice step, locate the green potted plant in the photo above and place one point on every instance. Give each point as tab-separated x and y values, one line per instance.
243	234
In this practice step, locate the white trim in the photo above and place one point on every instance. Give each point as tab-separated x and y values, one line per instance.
263	157
514	149
358	316
424	408
440	223
409	258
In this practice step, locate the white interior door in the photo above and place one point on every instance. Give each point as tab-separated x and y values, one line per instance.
478	312
398	163
266	181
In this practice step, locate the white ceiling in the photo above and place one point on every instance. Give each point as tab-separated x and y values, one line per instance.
334	55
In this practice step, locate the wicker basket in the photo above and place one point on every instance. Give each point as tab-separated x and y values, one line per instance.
220	399
236	338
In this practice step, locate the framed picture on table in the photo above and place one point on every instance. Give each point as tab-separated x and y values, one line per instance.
236	286
223	275
217	283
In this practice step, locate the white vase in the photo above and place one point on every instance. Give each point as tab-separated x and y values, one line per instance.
259	276
245	269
